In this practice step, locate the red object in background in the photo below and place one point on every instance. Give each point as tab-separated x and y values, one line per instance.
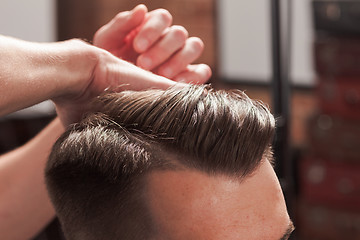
334	138
337	56
329	183
330	175
340	97
316	222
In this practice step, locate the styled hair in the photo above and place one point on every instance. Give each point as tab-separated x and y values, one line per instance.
96	173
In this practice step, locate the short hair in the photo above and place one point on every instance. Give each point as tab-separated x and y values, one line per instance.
96	173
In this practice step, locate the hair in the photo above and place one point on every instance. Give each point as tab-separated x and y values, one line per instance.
96	173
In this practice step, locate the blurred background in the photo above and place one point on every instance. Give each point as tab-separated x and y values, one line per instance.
319	63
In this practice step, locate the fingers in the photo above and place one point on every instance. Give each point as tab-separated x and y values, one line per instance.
114	33
152	30
195	74
180	60
172	41
147	39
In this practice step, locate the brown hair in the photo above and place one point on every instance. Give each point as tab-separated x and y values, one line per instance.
96	171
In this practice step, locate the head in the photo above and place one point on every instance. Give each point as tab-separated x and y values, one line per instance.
189	163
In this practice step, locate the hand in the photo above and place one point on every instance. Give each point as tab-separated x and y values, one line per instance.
148	40
99	70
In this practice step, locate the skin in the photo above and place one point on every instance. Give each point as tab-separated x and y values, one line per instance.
152	43
72	73
23	198
187	204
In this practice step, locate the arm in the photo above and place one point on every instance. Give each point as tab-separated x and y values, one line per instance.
69	72
34	72
72	72
24	205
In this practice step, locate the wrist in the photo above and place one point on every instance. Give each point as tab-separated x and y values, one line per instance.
33	72
75	61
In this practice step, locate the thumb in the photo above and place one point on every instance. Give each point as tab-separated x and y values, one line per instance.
122	75
120	26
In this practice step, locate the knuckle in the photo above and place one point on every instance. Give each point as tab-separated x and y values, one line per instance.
206	70
164	15
151	30
180	32
120	16
196	43
97	36
175	65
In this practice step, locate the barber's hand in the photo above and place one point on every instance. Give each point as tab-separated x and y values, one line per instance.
148	40
91	71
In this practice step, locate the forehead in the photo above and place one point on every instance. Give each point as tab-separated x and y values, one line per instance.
192	205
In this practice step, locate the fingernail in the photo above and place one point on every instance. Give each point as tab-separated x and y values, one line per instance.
167	72
145	63
142	45
133	10
138	6
203	71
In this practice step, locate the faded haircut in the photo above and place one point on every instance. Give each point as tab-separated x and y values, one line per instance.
96	173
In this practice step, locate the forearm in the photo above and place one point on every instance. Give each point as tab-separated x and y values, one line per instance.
24	205
34	72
